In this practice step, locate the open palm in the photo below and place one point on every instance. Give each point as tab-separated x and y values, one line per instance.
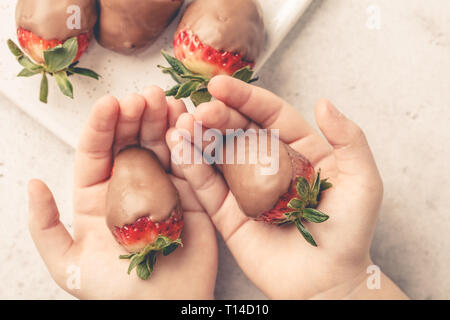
188	273
277	259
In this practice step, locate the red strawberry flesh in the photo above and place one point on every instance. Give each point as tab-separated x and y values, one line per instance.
144	232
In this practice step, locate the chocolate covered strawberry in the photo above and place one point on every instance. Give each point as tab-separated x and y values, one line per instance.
143	209
220	36
216	37
54	34
128	25
278	186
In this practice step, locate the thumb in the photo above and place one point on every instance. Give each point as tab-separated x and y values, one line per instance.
351	149
51	238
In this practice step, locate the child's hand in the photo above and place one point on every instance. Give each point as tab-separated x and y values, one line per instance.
188	273
277	259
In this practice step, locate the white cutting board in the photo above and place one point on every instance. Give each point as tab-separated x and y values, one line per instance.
120	74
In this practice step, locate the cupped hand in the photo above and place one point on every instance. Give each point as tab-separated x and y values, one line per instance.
92	252
277	259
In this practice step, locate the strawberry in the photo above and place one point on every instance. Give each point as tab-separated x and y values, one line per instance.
212	38
300	202
205	60
145	238
35	46
143	209
290	195
55	39
137	236
219	37
194	85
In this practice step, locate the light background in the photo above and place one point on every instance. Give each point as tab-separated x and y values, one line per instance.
394	82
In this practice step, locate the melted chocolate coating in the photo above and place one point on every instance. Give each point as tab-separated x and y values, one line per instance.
128	25
231	25
139	187
254	192
48	18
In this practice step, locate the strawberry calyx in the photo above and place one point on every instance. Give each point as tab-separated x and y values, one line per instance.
59	63
304	207
193	85
145	260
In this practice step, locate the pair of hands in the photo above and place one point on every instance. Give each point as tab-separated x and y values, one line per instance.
276	259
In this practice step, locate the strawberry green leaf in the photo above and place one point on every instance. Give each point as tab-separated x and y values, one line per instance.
169	249
314	215
305	233
245	74
162	242
14	48
295	204
143	271
175	76
61	56
136	260
186	89
324	185
127	256
151	260
292	214
28	64
85	72
197	77
200	96
303	188
176	64
64	84
316	185
43	93
28	73
173	91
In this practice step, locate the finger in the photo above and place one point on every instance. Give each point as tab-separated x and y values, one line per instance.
195	133
154	123
207	183
94	153
176	108
189	201
217	115
49	235
350	147
261	106
127	130
314	147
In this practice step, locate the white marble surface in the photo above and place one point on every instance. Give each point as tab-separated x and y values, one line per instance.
393	81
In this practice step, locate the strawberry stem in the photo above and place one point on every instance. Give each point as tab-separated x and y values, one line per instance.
305	206
58	64
145	260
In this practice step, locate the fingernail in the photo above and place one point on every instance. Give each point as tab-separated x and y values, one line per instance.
333	110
